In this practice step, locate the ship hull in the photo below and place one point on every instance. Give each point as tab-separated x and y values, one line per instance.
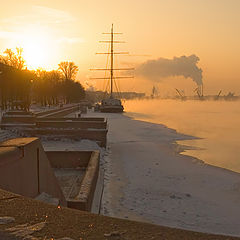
111	105
111	109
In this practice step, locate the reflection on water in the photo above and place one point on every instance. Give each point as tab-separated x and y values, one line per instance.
217	123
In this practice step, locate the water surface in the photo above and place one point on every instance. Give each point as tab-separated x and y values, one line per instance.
216	123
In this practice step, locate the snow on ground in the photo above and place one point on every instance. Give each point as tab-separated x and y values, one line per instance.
147	179
7	134
65	144
38	108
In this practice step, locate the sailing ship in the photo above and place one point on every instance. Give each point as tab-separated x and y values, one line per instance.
112	104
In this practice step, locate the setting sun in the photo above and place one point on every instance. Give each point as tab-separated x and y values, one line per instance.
35	53
37	47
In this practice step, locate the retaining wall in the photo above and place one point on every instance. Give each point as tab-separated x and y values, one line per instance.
68	159
29	119
25	169
59	112
72	124
95	119
98	135
79	159
47	112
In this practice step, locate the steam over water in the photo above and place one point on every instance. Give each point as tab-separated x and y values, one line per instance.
216	123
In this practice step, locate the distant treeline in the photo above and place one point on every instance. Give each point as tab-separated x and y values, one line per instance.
20	86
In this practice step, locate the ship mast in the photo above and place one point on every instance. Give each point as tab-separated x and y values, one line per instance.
111	76
112	53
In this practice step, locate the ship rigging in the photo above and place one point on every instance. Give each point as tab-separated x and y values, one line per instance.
112	104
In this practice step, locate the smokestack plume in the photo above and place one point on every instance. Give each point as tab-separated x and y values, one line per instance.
185	66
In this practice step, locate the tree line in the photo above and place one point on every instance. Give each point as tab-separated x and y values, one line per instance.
20	86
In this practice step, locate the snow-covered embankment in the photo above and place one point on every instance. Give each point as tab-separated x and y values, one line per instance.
147	179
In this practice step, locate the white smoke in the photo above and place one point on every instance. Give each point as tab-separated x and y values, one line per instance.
185	66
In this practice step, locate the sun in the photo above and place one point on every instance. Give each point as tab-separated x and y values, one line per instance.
35	54
38	49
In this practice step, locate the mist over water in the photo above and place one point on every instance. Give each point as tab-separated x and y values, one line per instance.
215	122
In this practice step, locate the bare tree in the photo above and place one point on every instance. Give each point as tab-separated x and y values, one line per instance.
13	59
18	86
68	69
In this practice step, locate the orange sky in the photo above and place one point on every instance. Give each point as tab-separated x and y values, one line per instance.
58	30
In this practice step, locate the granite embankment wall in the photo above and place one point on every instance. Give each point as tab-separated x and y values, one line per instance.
69	159
72	124
84	119
76	130
59	112
98	135
79	159
21	117
25	169
30	118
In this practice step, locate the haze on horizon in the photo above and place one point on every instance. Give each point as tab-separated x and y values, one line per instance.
53	31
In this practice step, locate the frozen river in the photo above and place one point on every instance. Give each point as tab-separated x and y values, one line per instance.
215	124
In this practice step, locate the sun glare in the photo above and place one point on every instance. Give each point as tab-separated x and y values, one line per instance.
35	54
37	49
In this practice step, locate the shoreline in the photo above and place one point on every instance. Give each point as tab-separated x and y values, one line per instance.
215	124
180	148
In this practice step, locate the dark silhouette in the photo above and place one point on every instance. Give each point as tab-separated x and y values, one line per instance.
15	87
18	86
72	90
51	88
68	69
47	87
13	59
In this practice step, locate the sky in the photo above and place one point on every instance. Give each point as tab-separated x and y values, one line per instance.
69	30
